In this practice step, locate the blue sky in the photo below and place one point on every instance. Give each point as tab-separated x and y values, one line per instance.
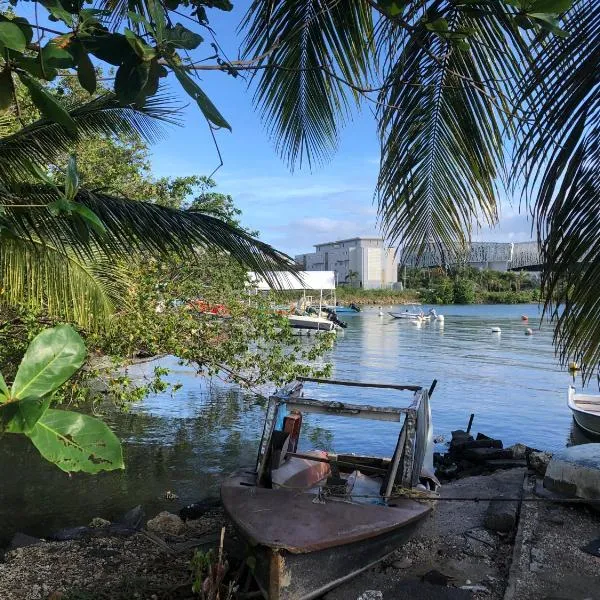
292	211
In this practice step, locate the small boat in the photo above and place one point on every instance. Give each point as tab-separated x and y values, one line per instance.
418	316
496	330
586	410
315	519
311	322
351	308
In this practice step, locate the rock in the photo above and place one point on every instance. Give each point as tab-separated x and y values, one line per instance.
436	578
22	540
518	451
506	464
197	509
97	522
70	533
480	455
405	563
166	523
501	515
482	436
134	518
575	471
371	595
475	588
460	436
467	445
539	461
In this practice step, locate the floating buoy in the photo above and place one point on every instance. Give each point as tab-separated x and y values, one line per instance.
380	312
573	366
496	330
524	318
439	318
529	331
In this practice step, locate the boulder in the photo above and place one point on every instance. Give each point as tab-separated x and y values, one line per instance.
371	595
134	518
539	461
501	515
166	523
575	471
97	522
518	451
480	455
22	540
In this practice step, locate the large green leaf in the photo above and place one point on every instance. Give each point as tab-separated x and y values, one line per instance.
52	357
12	37
131	79
54	55
7	89
48	105
4	391
20	416
209	110
181	37
76	442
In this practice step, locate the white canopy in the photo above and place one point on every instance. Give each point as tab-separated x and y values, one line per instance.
301	280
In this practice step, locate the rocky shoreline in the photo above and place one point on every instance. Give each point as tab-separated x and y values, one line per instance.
490	537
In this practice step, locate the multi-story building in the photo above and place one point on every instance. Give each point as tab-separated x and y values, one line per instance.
360	262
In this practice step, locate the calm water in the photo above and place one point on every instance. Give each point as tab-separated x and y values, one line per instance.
187	443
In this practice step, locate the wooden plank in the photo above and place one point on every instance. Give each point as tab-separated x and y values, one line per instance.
396	461
411	388
361	411
341	463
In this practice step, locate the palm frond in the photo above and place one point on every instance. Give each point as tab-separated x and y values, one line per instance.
59	282
442	117
557	161
301	43
571	254
131	227
44	141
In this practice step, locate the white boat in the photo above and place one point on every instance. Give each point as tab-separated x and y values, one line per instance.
586	410
417	316
309	322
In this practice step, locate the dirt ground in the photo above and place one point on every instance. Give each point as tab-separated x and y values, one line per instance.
452	556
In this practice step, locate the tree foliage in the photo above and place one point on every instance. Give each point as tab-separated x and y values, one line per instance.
470	97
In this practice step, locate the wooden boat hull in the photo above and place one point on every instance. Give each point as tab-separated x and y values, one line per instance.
302	547
588	421
283	575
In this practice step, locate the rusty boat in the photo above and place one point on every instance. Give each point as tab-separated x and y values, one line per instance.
314	519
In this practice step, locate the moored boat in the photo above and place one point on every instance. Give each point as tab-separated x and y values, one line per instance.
310	322
586	410
315	519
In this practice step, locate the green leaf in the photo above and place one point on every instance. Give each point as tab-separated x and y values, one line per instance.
548	23
139	19
90	216
12	37
181	37
51	358
438	26
7	89
140	47
4	388
47	104
54	55
56	9
76	442
20	416
551	6
108	47
72	179
60	206
157	14
131	78
33	67
206	106
86	74
25	28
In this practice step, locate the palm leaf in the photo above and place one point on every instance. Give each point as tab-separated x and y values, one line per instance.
443	113
302	105
44	141
61	283
131	227
557	163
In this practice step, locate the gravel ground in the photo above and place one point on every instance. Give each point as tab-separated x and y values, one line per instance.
451	557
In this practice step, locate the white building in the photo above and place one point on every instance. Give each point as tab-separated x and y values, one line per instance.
361	262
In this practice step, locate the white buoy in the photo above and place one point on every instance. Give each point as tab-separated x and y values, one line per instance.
380	312
440	318
496	330
529	331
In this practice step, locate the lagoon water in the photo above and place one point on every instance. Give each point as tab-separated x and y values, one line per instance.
187	443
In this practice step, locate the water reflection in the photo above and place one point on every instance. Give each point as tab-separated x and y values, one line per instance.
187	443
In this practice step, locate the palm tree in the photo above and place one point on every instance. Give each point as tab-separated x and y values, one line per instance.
450	84
63	250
